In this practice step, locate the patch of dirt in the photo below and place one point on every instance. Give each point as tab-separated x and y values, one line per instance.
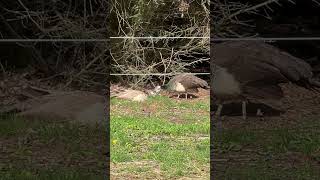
201	94
150	108
176	120
135	170
143	170
301	104
249	157
177	139
13	87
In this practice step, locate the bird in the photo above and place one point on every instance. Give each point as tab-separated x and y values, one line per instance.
131	94
76	106
252	71
185	83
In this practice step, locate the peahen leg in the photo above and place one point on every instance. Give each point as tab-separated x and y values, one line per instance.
259	112
244	110
218	112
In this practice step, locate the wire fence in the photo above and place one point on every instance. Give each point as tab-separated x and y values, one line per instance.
160	37
54	40
227	39
267	39
158	74
165	37
211	40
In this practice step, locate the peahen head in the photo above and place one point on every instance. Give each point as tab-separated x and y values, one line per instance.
155	91
166	86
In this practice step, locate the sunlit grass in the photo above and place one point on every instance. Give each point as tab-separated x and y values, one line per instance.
174	136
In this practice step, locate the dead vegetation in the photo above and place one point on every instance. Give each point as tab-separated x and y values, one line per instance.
76	63
159	19
232	18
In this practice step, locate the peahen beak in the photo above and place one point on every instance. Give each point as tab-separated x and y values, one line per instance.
164	86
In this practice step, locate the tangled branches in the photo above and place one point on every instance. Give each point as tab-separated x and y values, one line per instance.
86	63
157	56
57	19
98	19
159	18
227	21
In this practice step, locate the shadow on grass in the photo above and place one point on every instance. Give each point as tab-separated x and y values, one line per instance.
40	149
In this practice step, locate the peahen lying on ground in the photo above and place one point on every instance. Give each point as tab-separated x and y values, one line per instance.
131	94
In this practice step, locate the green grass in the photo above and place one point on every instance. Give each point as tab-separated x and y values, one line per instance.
60	174
263	171
39	149
281	153
175	137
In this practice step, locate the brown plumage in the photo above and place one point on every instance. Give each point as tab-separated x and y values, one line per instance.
131	94
186	83
253	71
77	106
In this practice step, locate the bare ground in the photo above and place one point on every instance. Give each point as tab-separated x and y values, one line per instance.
301	103
303	107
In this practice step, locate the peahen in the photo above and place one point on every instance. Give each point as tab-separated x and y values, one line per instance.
185	83
253	71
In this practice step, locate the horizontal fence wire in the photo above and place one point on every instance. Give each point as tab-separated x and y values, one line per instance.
267	39
227	39
129	37
157	74
160	37
54	40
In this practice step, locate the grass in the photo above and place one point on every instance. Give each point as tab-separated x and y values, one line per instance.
60	174
282	153
171	142
39	149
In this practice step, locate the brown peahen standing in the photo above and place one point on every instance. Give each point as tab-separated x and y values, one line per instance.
185	83
250	70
